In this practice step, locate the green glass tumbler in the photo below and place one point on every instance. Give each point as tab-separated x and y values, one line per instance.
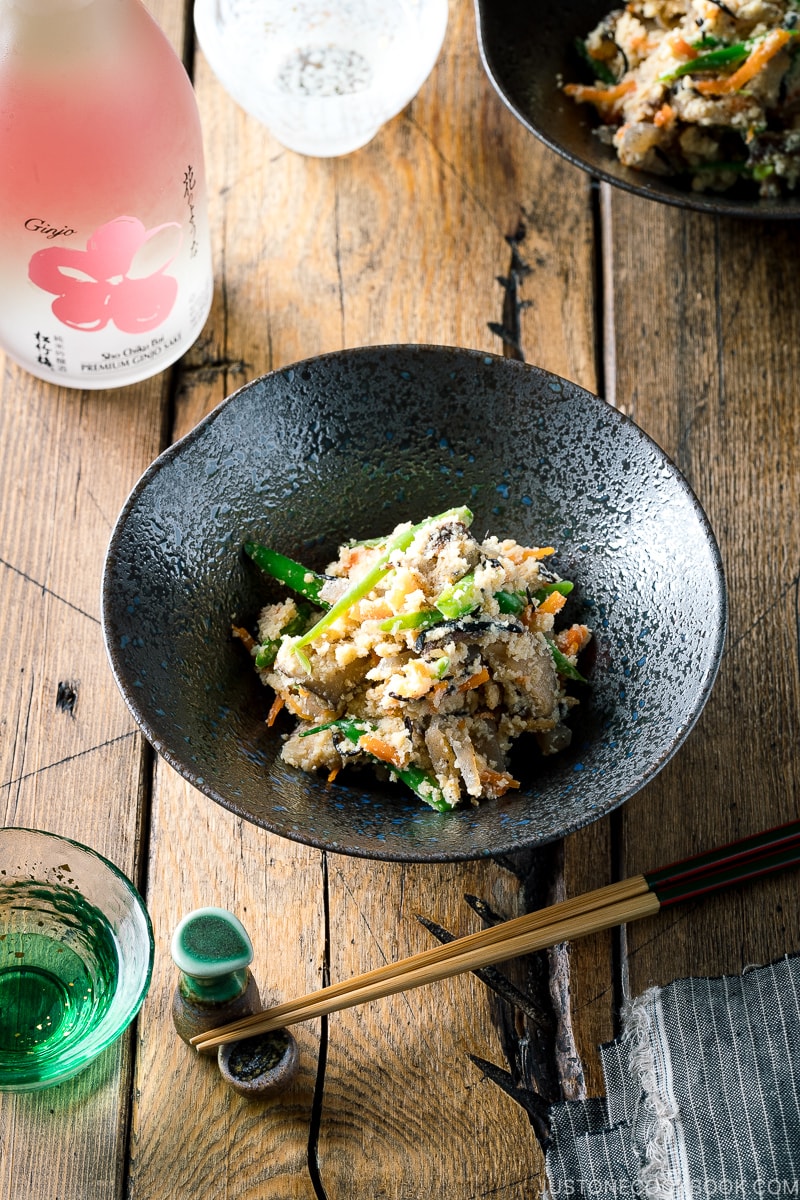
76	956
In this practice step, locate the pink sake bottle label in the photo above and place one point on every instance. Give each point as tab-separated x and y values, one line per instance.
121	277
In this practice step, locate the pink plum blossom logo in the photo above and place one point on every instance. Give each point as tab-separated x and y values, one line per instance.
120	278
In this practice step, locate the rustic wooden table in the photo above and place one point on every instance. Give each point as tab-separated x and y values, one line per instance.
454	226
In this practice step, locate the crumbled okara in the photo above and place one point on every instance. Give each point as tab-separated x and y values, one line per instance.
413	680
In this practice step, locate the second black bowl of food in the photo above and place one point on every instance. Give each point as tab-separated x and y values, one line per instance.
346	446
529	51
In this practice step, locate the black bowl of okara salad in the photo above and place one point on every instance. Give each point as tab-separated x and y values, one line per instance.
347	446
691	102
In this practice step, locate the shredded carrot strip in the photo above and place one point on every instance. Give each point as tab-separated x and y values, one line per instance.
297	709
571	641
665	116
497	783
334	771
378	748
475	680
552	603
752	65
595	95
244	636
682	47
272	715
568	643
521	554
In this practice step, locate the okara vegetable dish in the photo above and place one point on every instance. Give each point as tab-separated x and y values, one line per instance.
700	88
423	654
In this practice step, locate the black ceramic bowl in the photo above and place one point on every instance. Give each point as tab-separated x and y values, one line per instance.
528	50
348	445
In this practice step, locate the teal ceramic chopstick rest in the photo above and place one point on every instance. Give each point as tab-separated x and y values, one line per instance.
212	950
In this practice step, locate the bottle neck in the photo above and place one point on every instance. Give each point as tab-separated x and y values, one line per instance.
44	37
43	8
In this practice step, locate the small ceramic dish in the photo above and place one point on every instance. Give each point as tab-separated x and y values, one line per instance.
348	445
528	51
261	1066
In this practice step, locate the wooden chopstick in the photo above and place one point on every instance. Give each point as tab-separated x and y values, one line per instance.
356	991
630	899
496	935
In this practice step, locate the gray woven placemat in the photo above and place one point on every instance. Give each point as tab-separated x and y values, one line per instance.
702	1096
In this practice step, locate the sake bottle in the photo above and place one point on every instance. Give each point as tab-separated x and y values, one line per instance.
105	262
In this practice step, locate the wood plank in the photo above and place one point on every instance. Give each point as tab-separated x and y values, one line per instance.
267	274
710	366
70	760
418	1117
317	254
237	1148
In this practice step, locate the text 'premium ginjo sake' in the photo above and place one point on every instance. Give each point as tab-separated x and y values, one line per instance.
105	263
